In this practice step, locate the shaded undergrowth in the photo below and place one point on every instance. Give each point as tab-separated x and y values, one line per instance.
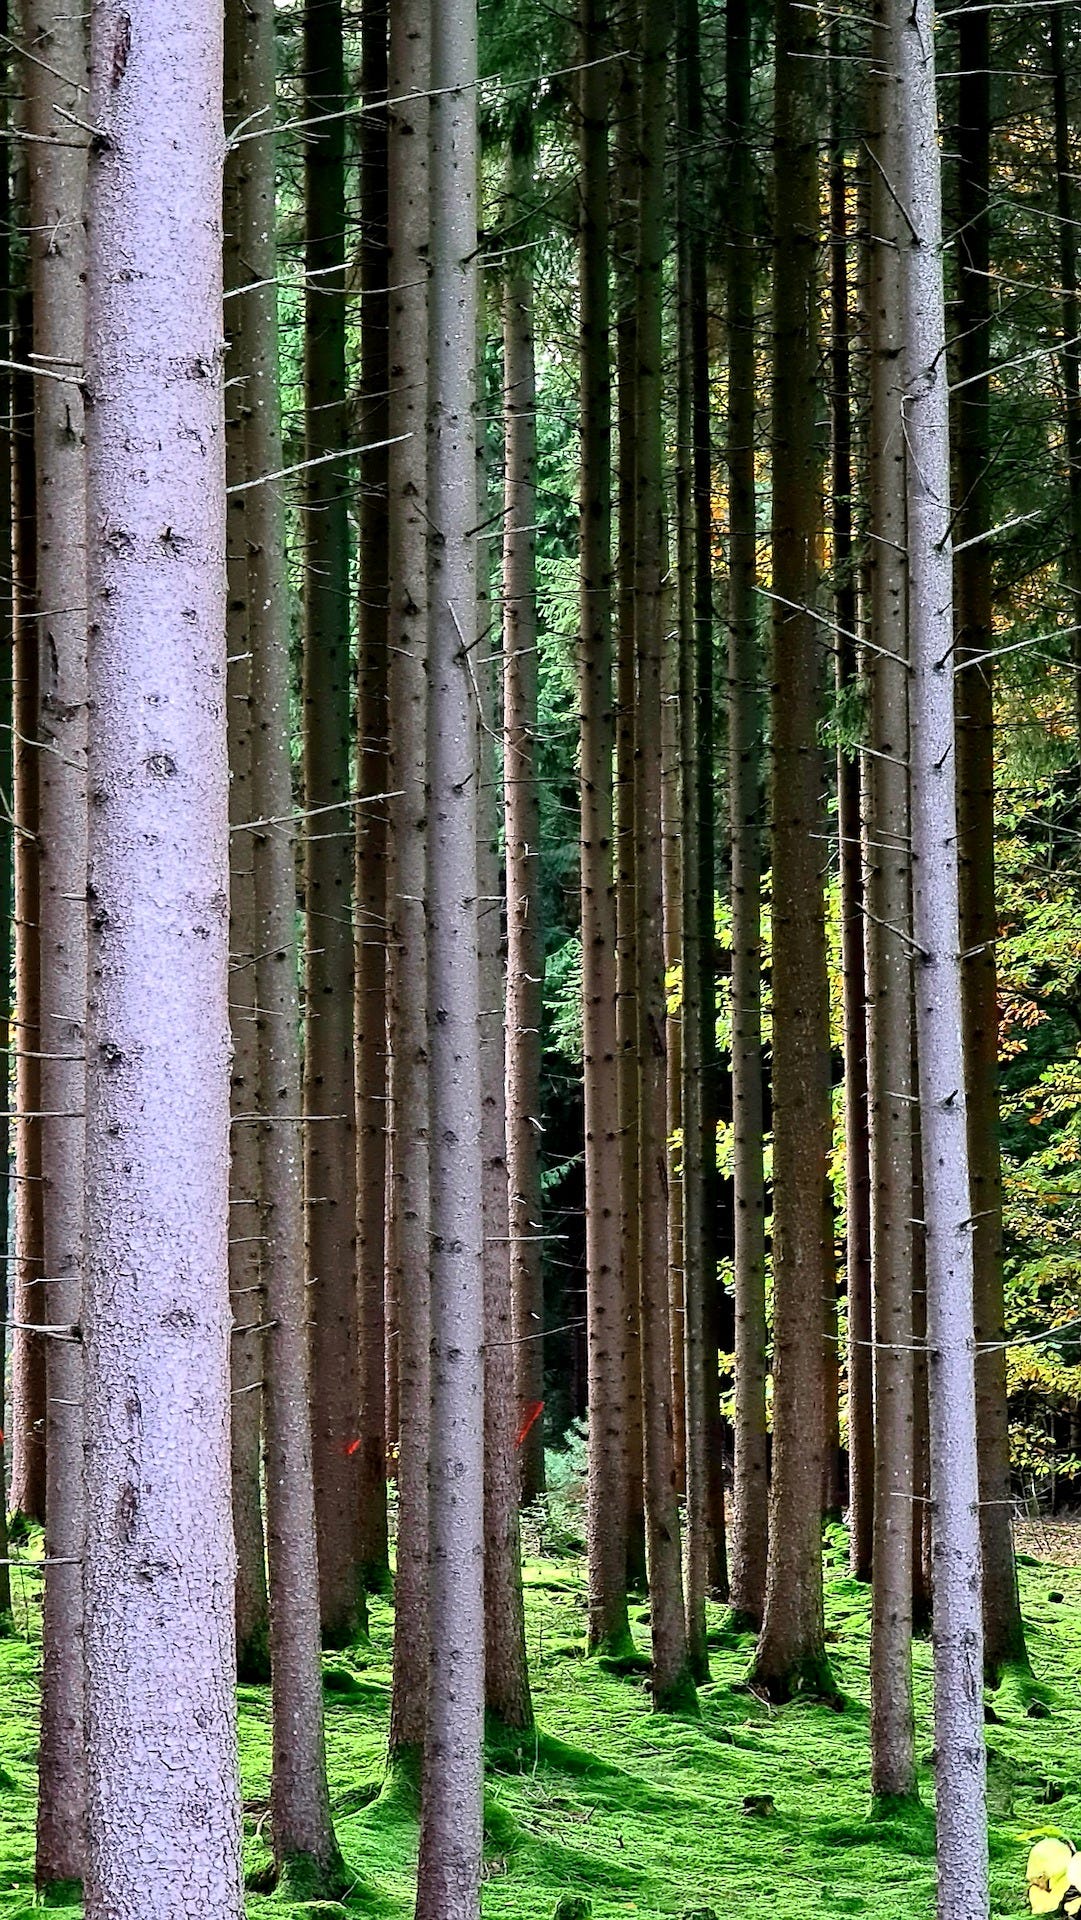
750	1810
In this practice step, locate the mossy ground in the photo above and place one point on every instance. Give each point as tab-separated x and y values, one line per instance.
640	1814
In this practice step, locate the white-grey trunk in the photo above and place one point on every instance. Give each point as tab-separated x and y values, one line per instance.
162	1791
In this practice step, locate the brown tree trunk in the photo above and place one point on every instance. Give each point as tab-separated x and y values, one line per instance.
57	170
245	1265
609	1630
302	1834
408	1247
162	1790
371	872
525	933
790	1656
1004	1633
1071	315
750	1521
8	594
330	1140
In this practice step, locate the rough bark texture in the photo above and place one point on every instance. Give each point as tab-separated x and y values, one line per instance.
673	1686
162	1790
889	981
1004	1633
407	559
962	1892
449	1865
790	1655
672	905
525	932
245	1265
57	175
609	1630
301	1830
330	1142
750	1502
371	881
8	604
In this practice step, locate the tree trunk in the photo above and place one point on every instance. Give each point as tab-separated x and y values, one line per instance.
163	1798
449	1865
671	787
624	243
330	1142
1004	1633
302	1834
1071	323
673	1686
750	1521
889	981
57	170
525	933
962	1892
245	1265
408	1247
9	590
371	880
791	1656
857	1168
609	1631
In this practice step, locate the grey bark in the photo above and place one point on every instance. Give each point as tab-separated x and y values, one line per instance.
609	1629
302	1834
330	1138
55	75
525	931
750	1491
449	1866
245	1266
407	558
790	1655
961	1829
889	976
162	1790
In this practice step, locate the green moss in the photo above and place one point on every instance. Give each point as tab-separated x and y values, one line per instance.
61	1893
573	1906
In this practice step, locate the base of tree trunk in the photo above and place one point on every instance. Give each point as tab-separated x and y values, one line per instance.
299	1877
738	1621
698	1666
60	1893
678	1695
1006	1661
614	1647
253	1657
377	1579
808	1678
349	1626
400	1792
895	1806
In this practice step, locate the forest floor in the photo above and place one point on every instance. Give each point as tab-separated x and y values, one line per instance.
643	1815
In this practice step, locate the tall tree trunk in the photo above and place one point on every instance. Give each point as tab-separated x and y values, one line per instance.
791	1656
624	243
245	1265
1071	316
371	880
302	1834
750	1521
845	613
8	610
449	1866
330	1144
609	1631
673	1686
672	906
1004	1633
525	933
55	81
962	1891
889	979
408	1247
162	1790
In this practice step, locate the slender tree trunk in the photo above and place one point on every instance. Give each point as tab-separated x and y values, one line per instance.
371	879
1004	1633
302	1834
889	979
159	1568
525	933
57	170
449	1867
962	1891
330	1144
27	1492
1071	316
8	590
624	244
673	1686
609	1631
790	1656
750	1525
857	1168
408	1247
245	1265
